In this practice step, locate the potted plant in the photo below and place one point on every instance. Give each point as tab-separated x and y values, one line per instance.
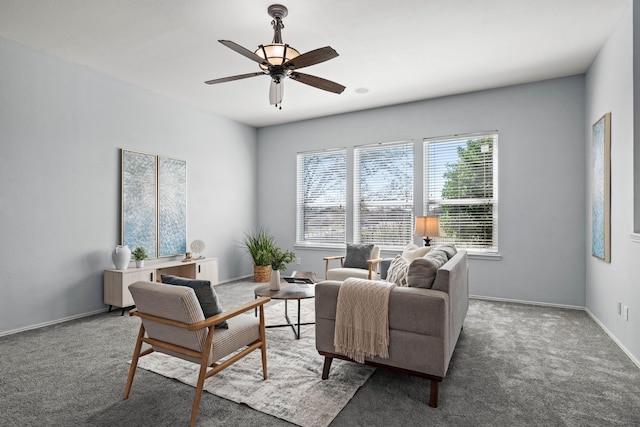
139	254
279	261
280	258
259	245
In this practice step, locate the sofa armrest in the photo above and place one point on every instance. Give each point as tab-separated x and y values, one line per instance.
453	278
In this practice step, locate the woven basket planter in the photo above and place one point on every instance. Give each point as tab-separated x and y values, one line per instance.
261	273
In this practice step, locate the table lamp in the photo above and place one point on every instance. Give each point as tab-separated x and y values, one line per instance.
427	226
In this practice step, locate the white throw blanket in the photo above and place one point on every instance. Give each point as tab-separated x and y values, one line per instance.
362	319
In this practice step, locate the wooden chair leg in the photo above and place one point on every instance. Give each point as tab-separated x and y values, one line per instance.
263	347
202	375
134	362
433	396
199	388
326	367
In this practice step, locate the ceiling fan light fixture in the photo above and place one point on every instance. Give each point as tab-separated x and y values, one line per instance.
279	61
276	53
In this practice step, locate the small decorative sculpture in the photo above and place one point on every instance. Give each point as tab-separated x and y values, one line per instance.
197	246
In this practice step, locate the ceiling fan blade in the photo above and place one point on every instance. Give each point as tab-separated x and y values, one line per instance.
232	78
318	82
244	52
276	91
311	58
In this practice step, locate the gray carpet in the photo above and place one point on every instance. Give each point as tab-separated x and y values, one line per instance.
515	365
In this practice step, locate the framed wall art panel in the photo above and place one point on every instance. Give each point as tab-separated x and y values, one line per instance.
601	197
139	201
172	206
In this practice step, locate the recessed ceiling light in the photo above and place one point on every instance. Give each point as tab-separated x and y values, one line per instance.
362	90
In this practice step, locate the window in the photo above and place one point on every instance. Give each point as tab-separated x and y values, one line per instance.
461	187
383	194
321	200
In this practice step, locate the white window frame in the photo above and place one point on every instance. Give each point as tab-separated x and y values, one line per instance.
401	234
336	199
432	200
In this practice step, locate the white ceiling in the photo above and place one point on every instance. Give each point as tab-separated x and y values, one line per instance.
400	51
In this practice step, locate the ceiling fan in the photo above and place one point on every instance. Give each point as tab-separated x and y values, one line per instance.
278	60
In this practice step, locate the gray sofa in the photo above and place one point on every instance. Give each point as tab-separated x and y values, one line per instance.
424	324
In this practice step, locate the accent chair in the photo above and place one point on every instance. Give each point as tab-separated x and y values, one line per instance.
173	323
360	261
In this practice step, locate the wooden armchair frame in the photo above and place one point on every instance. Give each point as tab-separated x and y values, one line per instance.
203	356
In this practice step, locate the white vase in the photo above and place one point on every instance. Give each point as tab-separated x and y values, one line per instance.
139	263
274	283
121	256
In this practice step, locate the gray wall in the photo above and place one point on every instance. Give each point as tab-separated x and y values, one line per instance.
61	128
541	179
609	84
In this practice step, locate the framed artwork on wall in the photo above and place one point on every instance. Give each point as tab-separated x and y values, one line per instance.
139	201
153	203
172	206
601	188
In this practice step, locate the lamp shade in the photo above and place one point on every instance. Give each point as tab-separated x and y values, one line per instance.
276	53
427	226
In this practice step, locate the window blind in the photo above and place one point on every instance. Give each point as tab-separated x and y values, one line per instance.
461	184
321	197
383	194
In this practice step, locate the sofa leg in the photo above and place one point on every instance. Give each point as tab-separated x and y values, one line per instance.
326	367
433	396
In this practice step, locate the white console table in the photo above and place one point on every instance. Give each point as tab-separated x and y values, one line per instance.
116	282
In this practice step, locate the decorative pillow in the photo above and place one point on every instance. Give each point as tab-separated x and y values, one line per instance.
412	251
422	271
357	255
205	293
449	249
437	253
398	271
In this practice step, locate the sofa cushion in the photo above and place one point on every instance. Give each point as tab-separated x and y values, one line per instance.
413	251
437	253
398	270
343	274
357	255
205	293
449	249
422	271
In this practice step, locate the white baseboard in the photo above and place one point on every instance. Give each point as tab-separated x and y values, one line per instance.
236	279
52	322
517	301
79	316
613	337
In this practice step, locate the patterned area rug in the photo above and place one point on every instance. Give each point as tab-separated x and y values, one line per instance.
294	390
